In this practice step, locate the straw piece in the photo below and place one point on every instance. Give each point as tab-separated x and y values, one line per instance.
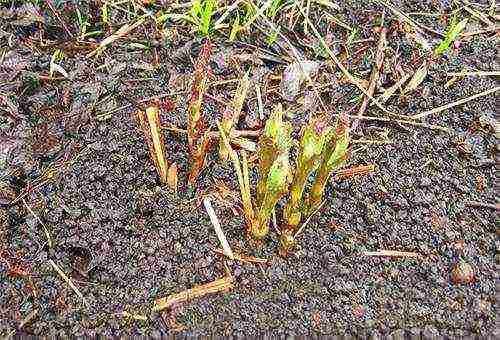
68	281
391	253
219	285
218	229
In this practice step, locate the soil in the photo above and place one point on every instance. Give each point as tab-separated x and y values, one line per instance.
125	240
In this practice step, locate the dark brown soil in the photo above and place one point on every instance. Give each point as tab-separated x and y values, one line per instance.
126	240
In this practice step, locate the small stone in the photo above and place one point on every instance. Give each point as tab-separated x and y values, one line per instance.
462	273
430	332
398	334
177	247
425	182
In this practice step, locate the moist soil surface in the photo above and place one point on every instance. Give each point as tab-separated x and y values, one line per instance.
83	193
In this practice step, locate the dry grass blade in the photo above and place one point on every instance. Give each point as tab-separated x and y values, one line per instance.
24	322
306	223
483	205
220	285
457	103
68	281
405	18
392	253
400	121
418	78
139	317
122	32
218	229
244	258
384	97
56	13
245	199
233	112
379	60
344	70
480	16
474	73
45	229
150	124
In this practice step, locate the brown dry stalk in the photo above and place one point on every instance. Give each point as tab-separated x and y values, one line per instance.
356	171
198	140
150	124
379	60
220	285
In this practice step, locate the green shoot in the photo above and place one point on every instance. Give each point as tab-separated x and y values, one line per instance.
235	28
274	8
202	12
333	156
271	39
274	169
311	147
105	13
451	35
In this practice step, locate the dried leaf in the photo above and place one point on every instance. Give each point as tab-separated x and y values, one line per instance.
417	78
356	171
294	76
